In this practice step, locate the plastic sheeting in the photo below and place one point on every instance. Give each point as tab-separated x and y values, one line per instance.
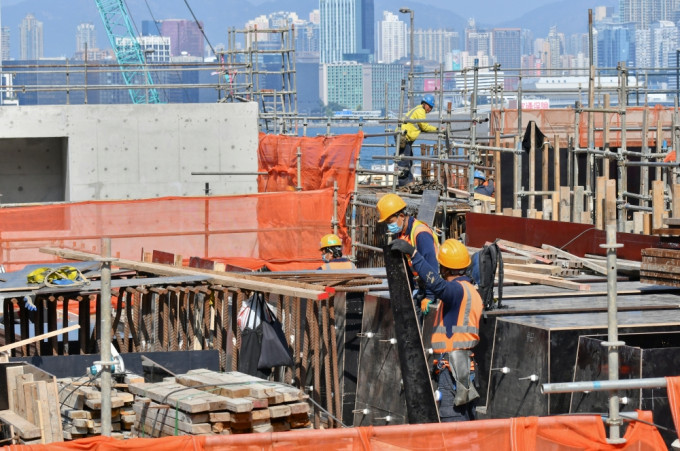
560	433
277	230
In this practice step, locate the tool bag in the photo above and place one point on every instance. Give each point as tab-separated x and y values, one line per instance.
485	263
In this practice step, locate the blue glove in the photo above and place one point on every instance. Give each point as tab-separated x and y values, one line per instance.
29	305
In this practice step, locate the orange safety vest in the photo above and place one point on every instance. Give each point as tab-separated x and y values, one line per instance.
419	227
465	334
339	265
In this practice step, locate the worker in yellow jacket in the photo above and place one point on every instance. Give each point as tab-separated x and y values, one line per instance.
410	132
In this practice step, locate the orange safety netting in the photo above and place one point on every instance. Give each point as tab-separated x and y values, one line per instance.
560	123
560	433
277	230
324	160
673	390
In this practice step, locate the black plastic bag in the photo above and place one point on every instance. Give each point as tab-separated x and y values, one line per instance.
275	350
249	354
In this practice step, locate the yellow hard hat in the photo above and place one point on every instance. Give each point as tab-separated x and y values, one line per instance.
329	240
453	254
388	205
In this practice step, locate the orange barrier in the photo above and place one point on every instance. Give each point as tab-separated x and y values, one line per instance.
323	161
560	433
277	230
673	389
560	122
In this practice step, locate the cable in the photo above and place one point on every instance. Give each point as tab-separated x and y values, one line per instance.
577	236
200	27
327	412
155	23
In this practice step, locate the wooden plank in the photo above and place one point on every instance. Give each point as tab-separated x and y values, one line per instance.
547	280
11	373
231	280
647	223
610	202
565	204
656	252
41	413
526	247
675	204
18	344
600	192
638	222
555	206
54	410
535	269
23	427
556	171
577	205
592	266
674	221
658	204
25	399
187	399
524	253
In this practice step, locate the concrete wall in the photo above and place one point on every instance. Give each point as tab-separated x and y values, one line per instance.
110	152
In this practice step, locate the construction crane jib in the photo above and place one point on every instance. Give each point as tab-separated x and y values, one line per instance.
129	53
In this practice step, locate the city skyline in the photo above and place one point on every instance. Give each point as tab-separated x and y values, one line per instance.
428	14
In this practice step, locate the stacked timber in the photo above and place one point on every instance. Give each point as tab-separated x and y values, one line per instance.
81	404
204	402
660	267
33	411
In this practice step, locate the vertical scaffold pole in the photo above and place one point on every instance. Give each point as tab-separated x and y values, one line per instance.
335	207
621	164
612	342
473	152
105	350
299	169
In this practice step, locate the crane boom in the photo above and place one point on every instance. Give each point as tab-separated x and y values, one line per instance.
128	51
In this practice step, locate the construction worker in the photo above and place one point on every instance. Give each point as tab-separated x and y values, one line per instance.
392	211
410	132
482	185
331	253
456	328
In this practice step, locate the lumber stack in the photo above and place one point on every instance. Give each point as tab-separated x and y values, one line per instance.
33	413
660	267
204	402
81	404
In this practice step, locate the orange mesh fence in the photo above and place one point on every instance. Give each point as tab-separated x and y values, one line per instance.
673	388
560	122
279	230
561	433
323	161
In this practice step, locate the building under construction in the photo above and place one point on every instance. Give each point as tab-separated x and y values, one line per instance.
176	216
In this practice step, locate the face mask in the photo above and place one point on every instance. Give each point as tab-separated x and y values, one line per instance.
325	258
393	227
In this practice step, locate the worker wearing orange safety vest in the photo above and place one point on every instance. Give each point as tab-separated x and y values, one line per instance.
331	253
392	211
456	328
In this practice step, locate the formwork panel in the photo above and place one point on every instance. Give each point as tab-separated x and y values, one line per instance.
532	342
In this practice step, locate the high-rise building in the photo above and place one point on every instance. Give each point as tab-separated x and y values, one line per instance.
477	41
375	77
86	37
643	48
555	48
434	45
31	38
391	38
185	37
342	84
346	29
645	12
4	43
507	47
664	36
615	44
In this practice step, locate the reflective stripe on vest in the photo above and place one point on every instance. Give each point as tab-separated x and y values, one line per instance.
339	265
441	342
419	227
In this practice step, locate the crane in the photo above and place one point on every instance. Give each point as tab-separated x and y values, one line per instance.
129	55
